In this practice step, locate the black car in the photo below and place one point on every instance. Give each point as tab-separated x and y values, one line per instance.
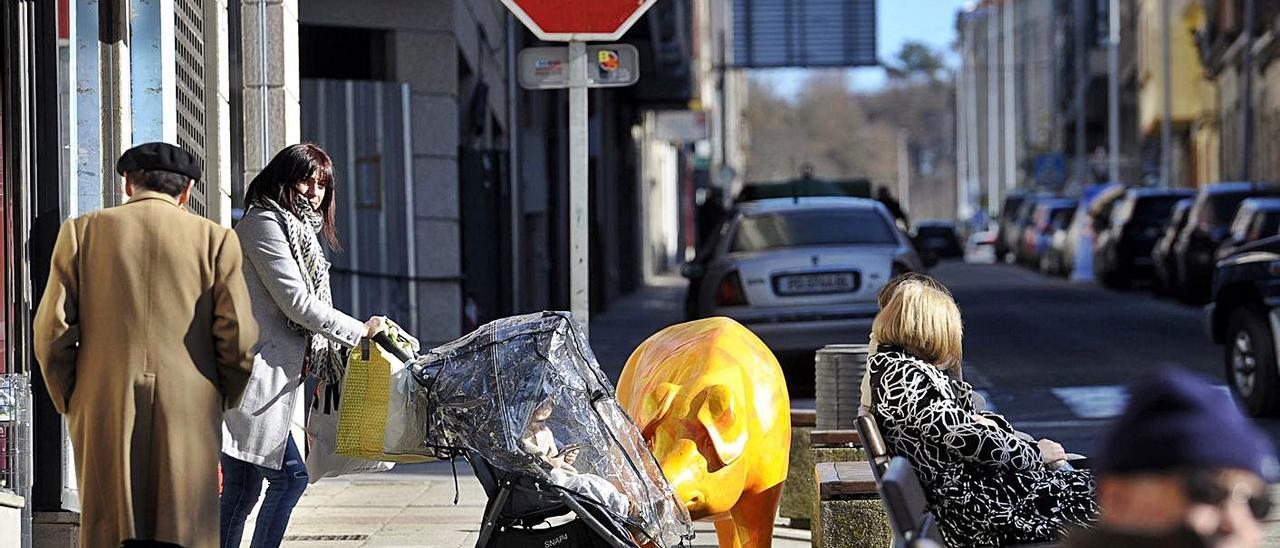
1162	257
937	237
1242	317
1207	227
1257	218
1122	253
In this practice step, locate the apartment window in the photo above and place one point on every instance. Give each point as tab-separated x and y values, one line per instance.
343	53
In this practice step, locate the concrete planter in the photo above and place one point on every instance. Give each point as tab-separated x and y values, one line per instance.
800	493
852	523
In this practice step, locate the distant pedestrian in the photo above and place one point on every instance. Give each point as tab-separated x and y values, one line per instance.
144	336
1181	467
711	214
985	484
291	206
885	197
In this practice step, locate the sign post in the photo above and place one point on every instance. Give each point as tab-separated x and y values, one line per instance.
613	65
579	188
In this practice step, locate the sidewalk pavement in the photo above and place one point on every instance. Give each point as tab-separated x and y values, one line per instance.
630	320
413	506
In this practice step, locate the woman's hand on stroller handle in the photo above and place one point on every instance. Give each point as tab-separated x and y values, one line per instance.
375	325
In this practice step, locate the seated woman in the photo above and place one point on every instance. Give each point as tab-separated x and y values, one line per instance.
985	485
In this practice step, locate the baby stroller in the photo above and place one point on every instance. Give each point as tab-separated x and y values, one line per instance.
518	504
524	401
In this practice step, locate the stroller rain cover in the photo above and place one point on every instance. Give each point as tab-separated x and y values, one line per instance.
490	393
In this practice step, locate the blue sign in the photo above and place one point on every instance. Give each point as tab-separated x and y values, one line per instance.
1051	169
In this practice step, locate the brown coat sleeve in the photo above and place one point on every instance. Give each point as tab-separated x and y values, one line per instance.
57	324
234	329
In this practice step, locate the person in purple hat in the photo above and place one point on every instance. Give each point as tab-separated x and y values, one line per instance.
1181	467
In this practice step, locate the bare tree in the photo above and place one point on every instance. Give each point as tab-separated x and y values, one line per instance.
846	134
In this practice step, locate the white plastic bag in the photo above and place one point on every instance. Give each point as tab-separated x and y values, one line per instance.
322	440
406	414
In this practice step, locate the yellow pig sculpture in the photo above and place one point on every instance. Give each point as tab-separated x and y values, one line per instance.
712	403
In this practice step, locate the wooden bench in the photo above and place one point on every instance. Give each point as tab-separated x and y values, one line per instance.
877	451
848	511
849	439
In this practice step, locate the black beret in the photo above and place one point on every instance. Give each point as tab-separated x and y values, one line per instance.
159	157
1176	420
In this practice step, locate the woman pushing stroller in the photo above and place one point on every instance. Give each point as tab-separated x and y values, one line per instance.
291	206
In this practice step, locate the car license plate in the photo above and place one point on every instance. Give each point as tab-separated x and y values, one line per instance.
816	284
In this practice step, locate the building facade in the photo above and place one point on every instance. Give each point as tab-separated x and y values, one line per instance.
1192	103
1032	98
1241	89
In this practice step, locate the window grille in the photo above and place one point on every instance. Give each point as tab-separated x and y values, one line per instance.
189	34
15	433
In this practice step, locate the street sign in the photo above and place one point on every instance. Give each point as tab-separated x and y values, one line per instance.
608	66
578	20
681	126
1050	169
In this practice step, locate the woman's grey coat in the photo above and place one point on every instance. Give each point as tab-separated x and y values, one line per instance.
256	431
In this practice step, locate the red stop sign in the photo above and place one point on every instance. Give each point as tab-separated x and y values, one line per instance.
580	20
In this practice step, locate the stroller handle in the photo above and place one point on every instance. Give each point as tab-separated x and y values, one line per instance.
385	342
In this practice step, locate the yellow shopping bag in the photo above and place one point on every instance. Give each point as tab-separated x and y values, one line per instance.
366	403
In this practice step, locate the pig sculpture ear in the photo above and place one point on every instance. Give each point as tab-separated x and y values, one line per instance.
656	406
723	417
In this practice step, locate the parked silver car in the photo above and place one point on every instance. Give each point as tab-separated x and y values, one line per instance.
801	274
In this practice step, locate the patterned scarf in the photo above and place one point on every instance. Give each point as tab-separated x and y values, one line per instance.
325	359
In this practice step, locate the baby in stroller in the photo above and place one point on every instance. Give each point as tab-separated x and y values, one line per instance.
540	442
525	401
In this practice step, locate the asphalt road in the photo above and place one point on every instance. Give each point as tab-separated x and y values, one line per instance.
1056	357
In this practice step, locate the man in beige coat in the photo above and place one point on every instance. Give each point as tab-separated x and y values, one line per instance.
145	337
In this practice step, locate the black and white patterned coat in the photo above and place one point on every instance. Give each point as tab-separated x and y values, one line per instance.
985	485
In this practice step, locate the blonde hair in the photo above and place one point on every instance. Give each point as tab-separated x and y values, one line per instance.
918	314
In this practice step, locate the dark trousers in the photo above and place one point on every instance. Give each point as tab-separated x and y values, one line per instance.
241	484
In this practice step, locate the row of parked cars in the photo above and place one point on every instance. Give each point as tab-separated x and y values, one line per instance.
1219	246
1170	239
